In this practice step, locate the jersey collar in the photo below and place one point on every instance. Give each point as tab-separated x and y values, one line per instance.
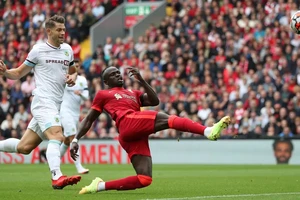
53	47
117	88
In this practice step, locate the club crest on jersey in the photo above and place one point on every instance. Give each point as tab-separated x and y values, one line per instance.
81	84
118	96
66	53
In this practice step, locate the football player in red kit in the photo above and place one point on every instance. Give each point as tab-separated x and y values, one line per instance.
134	127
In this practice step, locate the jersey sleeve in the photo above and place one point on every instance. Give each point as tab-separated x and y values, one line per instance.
85	88
71	57
138	95
98	102
32	57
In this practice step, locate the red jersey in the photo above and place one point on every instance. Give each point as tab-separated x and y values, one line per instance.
117	102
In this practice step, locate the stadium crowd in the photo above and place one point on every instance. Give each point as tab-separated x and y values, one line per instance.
206	59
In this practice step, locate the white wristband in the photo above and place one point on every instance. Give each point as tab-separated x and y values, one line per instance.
75	140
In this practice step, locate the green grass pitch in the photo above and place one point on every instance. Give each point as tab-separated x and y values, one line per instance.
170	182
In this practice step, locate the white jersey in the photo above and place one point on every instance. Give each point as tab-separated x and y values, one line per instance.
71	101
50	65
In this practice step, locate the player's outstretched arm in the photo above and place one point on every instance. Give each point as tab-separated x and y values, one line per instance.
16	73
150	98
87	122
84	127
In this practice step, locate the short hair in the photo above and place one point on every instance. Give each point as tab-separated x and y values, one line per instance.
282	140
50	23
102	73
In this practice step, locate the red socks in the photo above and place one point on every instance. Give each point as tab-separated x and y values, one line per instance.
185	125
129	183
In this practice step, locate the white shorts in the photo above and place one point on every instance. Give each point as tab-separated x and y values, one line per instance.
45	114
69	124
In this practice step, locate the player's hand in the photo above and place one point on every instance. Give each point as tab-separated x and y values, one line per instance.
135	73
77	92
2	67
70	80
73	150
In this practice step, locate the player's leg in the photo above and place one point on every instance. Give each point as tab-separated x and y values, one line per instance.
63	148
28	142
164	121
69	124
144	123
25	145
141	160
143	168
46	113
55	137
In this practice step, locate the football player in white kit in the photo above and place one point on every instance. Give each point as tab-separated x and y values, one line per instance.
53	67
70	112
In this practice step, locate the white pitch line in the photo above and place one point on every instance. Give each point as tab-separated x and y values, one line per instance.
230	196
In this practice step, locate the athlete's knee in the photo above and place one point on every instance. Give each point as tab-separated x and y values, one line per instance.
25	149
161	121
171	120
58	136
55	133
145	180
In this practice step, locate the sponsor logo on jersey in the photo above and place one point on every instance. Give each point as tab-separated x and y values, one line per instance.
129	97
64	62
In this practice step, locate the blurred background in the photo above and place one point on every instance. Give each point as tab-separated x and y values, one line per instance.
205	59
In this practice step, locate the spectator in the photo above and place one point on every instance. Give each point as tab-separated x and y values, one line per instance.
5	104
28	86
39	17
8	123
16	95
20	115
98	10
76	48
286	132
231	57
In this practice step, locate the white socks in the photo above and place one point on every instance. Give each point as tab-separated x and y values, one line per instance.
101	186
207	131
9	145
77	162
63	149
53	158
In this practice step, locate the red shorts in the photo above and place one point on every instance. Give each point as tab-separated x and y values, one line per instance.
134	130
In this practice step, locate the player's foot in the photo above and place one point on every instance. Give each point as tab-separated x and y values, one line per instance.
83	171
92	188
218	128
64	181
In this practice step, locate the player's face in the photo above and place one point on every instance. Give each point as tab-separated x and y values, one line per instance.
57	33
113	77
283	153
